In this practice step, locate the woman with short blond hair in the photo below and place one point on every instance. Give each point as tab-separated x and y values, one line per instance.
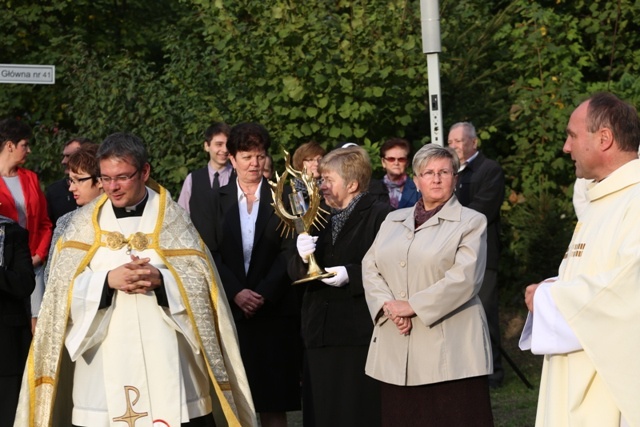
335	324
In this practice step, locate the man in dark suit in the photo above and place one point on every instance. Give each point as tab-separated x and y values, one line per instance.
200	184
16	284
481	187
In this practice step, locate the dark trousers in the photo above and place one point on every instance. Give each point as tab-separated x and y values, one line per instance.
10	386
489	296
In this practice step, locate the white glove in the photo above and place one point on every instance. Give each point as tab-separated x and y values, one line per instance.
306	245
340	279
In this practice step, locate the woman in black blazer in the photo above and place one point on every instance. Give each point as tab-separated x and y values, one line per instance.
17	281
336	327
251	256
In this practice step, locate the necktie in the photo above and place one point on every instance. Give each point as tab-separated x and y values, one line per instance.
216	181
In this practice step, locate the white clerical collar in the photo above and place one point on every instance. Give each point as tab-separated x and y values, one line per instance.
135	210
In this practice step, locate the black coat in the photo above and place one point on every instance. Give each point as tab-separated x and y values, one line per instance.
339	316
17	281
267	274
481	188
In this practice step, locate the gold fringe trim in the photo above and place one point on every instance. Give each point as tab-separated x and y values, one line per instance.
45	380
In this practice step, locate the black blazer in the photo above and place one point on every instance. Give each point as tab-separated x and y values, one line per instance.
17	281
267	274
339	316
481	188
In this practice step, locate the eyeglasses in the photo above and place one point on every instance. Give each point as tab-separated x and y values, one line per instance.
430	174
396	159
120	179
78	180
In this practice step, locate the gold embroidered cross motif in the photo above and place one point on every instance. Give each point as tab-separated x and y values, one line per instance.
116	241
130	416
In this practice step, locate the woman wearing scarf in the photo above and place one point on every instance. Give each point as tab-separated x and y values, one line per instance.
400	187
336	327
430	348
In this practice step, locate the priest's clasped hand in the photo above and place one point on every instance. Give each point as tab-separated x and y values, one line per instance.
135	277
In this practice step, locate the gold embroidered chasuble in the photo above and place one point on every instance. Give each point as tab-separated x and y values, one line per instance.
598	294
177	243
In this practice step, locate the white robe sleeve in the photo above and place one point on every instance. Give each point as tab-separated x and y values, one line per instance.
87	325
546	331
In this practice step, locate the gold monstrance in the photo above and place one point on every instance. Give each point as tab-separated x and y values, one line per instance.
302	217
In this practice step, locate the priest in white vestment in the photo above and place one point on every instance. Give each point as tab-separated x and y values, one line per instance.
134	297
586	322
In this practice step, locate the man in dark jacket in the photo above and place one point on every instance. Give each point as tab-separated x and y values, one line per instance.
481	187
200	184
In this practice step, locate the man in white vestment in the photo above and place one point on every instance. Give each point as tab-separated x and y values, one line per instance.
586	321
134	297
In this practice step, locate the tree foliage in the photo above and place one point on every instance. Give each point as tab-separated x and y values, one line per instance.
329	71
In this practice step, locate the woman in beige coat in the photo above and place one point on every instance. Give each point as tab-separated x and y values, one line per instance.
430	347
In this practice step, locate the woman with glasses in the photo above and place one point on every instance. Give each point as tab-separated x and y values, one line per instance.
84	184
430	348
336	327
399	186
307	157
22	199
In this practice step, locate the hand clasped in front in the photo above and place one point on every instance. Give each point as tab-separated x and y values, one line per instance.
135	277
400	312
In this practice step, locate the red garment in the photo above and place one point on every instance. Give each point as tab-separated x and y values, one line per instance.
38	222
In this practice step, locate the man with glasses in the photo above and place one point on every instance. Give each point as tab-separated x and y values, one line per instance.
481	187
134	298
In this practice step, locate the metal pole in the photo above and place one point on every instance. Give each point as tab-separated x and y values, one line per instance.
430	18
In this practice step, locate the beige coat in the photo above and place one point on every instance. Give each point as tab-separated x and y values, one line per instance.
438	269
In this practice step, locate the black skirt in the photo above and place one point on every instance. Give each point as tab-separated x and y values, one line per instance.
459	403
272	357
342	395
